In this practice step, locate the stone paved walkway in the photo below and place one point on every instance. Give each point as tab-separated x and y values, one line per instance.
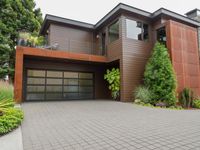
108	125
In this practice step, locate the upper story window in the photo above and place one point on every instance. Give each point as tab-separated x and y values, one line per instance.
113	31
161	36
137	30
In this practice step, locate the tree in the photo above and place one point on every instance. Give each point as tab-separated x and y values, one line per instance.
113	78
159	76
15	16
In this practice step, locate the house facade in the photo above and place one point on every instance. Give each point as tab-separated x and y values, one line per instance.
78	54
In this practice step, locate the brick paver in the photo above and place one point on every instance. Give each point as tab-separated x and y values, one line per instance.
108	125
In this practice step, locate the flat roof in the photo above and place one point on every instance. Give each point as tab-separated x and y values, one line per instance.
120	7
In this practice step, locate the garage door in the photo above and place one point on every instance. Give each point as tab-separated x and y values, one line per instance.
58	85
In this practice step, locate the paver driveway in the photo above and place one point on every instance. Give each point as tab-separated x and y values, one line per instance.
109	125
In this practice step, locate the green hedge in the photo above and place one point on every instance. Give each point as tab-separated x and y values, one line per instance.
11	119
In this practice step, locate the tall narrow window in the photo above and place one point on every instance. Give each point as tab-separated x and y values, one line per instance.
161	36
114	31
137	30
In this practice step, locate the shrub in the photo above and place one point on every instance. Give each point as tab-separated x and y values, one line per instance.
186	98
196	103
142	93
113	78
159	76
10	117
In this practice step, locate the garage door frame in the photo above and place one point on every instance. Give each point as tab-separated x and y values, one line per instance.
45	77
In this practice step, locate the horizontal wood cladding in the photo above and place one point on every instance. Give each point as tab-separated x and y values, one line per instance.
183	46
71	39
135	55
114	50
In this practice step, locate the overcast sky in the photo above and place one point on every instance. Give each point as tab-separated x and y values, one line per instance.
91	11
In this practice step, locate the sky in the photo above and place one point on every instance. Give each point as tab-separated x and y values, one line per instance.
91	11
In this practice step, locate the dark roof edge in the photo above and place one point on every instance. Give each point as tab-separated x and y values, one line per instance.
52	18
124	7
175	15
191	11
120	6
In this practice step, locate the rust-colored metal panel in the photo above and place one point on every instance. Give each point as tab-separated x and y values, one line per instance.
21	52
18	75
183	46
101	89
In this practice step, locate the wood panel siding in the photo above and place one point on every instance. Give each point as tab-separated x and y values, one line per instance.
183	46
134	57
71	39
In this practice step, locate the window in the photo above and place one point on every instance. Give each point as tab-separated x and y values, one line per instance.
161	36
137	30
114	31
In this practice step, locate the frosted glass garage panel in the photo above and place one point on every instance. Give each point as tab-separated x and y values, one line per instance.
35	96
56	74
36	81
54	88
71	81
85	82
70	88
35	88
86	75
54	81
70	74
36	73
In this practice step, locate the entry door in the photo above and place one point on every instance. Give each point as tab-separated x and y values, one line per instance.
59	85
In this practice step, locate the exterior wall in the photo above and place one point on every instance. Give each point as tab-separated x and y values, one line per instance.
183	46
134	57
101	89
114	49
71	39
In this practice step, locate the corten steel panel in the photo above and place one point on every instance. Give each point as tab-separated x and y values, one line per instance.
135	54
21	52
183	46
101	89
18	75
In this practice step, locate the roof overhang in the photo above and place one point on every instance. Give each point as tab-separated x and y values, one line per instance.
113	13
63	21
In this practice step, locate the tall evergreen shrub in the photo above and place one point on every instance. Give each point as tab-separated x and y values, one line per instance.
159	76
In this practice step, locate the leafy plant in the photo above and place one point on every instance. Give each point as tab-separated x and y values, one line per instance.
32	40
186	98
196	103
159	76
113	78
142	93
10	117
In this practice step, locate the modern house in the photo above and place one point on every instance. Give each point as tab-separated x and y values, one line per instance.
74	64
